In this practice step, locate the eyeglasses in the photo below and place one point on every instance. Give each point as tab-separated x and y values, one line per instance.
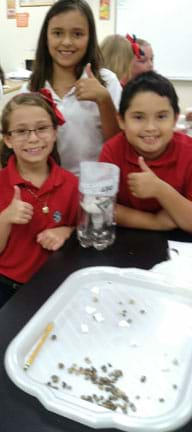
21	135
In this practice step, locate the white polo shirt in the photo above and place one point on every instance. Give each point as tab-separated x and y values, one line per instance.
81	138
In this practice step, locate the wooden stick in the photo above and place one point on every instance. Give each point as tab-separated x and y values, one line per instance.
40	343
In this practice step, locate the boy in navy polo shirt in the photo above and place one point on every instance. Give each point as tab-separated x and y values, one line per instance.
155	162
39	199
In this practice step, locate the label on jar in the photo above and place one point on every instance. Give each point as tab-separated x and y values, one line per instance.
105	188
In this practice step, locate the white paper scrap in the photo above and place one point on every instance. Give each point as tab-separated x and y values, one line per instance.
95	290
90	310
84	328
98	317
124	323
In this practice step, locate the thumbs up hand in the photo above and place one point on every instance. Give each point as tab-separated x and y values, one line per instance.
143	184
144	167
90	88
18	211
88	70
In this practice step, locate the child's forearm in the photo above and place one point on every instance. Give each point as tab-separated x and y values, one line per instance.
65	230
108	116
178	207
131	218
5	229
53	238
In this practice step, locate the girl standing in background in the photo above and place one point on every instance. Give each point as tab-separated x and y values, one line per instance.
126	56
68	63
145	62
117	56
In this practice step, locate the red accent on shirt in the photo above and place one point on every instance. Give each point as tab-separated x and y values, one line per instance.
23	256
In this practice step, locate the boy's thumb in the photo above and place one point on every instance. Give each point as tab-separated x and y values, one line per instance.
17	193
89	70
144	167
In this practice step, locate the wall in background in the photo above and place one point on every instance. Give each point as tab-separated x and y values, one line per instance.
167	25
19	43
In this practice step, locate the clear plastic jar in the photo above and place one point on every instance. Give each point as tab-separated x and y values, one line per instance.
98	188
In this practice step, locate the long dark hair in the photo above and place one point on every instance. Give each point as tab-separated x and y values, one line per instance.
2	75
27	99
43	65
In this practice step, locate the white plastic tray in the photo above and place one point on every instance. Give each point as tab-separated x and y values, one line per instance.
123	319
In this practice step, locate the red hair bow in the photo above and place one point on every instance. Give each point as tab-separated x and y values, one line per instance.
48	97
135	46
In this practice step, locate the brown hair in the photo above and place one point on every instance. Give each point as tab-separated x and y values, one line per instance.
117	55
43	65
27	99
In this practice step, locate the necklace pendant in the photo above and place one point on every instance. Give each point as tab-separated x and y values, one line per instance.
45	209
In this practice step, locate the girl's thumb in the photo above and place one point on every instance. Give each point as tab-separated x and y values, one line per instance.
17	193
89	70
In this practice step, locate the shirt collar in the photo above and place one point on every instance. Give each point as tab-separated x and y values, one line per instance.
56	98
55	177
71	91
169	155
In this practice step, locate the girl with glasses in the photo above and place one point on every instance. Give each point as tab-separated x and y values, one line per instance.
39	199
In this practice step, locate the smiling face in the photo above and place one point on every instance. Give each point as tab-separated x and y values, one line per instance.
35	148
68	38
148	124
